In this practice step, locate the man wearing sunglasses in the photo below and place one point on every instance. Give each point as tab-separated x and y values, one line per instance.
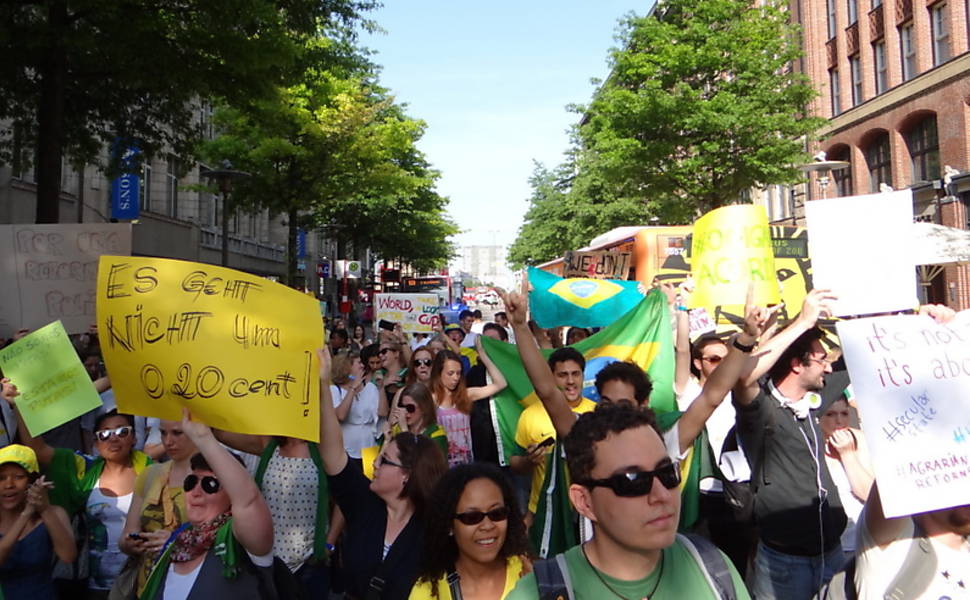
624	481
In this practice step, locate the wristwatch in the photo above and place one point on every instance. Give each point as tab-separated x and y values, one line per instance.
742	347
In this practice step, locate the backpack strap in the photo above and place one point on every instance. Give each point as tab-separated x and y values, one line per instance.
454	585
712	564
552	578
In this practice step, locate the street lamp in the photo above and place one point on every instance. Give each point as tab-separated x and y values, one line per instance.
224	178
823	167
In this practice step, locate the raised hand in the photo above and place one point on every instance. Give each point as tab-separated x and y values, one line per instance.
197	432
842	441
817	304
8	391
323	354
37	497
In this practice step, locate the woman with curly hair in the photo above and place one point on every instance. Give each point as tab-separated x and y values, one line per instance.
454	400
475	541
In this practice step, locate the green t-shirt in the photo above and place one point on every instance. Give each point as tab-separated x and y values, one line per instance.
682	578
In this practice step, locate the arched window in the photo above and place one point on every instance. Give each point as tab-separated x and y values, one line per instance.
842	178
879	161
924	150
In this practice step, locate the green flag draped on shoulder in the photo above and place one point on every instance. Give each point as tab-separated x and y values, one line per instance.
578	302
642	336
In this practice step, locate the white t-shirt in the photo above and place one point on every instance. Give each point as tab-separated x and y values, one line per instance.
850	504
876	568
109	513
360	426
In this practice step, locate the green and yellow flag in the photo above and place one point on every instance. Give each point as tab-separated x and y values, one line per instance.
642	336
580	302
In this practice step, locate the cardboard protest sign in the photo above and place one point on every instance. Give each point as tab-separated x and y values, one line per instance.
54	386
601	264
49	272
731	247
416	313
910	377
236	349
833	226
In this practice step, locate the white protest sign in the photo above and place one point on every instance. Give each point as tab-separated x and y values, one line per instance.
911	378
416	313
870	268
49	272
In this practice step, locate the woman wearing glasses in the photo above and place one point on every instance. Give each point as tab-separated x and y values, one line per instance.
383	516
225	550
158	506
419	369
101	487
475	541
414	412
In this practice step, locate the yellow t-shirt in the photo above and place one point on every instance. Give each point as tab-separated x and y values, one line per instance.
533	427
513	572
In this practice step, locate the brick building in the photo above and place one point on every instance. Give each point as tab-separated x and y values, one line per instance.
894	82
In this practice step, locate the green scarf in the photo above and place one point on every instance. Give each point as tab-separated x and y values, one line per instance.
225	548
323	496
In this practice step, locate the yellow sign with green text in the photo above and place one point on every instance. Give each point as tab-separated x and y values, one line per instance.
236	349
731	249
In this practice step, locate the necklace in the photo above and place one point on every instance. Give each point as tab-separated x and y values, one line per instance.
609	587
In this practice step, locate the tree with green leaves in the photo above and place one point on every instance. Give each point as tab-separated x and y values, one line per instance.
79	76
701	105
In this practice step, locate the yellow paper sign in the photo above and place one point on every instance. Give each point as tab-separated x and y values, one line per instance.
236	349
731	248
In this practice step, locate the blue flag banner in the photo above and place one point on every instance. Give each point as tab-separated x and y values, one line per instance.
125	190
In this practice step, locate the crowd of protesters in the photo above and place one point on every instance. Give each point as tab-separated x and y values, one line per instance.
405	496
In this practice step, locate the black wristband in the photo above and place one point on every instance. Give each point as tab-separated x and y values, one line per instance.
742	347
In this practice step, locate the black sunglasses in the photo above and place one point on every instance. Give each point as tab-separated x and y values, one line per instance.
210	485
474	517
120	432
408	407
638	483
385	350
423	362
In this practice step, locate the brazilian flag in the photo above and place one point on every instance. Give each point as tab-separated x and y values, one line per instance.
577	302
642	336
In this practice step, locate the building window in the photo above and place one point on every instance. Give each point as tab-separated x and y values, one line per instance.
830	8
145	192
853	11
842	178
172	185
855	68
907	51
878	160
924	149
941	36
879	56
834	90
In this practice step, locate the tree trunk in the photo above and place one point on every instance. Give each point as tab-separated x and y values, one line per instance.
50	118
292	217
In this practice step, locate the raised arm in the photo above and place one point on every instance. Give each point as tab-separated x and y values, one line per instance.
331	437
536	366
252	524
349	395
859	475
725	376
44	452
498	379
814	306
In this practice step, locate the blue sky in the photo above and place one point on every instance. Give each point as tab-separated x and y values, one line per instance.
492	81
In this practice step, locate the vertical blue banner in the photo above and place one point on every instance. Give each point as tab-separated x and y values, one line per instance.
125	189
300	243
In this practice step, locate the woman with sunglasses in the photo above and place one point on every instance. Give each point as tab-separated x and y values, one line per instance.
475	540
158	506
414	412
225	550
101	487
454	400
357	402
383	515
419	369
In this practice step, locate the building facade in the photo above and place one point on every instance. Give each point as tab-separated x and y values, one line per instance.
487	264
894	84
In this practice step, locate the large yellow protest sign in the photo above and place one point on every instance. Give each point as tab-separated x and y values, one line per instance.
731	249
236	349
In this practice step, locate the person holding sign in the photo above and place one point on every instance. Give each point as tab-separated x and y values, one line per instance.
384	515
32	531
102	487
226	548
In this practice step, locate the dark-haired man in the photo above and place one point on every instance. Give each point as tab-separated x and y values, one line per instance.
796	506
502	320
625	482
466	319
